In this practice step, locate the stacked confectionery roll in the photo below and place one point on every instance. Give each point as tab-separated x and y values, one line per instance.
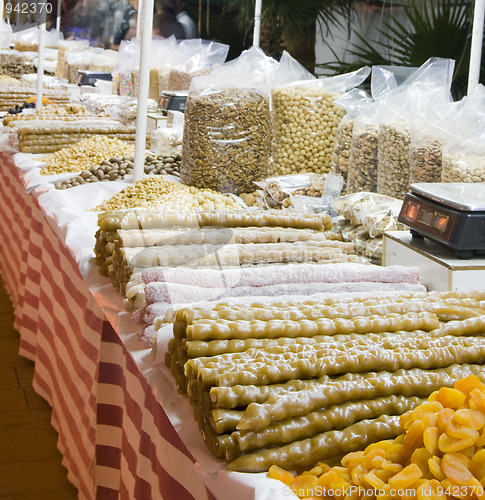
16	95
134	240
155	294
51	135
295	382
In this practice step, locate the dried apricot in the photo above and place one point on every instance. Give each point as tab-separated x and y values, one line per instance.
444	417
477	464
480	442
430	490
276	472
424	408
455	467
357	475
398	453
471	418
450	398
373	481
468	384
433	396
304	485
420	457
460	431
404	479
414	435
430	439
352	459
367	460
406	419
434	465
430	420
328	479
448	444
478	398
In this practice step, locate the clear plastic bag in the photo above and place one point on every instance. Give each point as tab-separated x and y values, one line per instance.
278	191
362	174
305	122
195	58
464	150
428	85
376	213
353	102
227	130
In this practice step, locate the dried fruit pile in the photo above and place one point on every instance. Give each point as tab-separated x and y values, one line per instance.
440	454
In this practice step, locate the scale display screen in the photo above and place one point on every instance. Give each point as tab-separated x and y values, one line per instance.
419	215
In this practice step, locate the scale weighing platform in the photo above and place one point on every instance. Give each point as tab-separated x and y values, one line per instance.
452	214
446	241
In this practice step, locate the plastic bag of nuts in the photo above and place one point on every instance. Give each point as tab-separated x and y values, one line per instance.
464	150
305	122
362	173
426	153
352	102
393	157
227	128
194	58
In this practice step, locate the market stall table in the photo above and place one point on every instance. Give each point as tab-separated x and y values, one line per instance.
124	432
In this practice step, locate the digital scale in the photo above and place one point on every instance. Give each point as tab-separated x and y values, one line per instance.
452	214
172	101
90	77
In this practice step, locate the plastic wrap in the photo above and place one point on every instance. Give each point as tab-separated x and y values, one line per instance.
353	102
464	151
227	130
279	191
195	58
428	86
305	122
362	170
376	213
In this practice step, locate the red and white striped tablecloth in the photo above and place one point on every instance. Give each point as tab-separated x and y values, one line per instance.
115	435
